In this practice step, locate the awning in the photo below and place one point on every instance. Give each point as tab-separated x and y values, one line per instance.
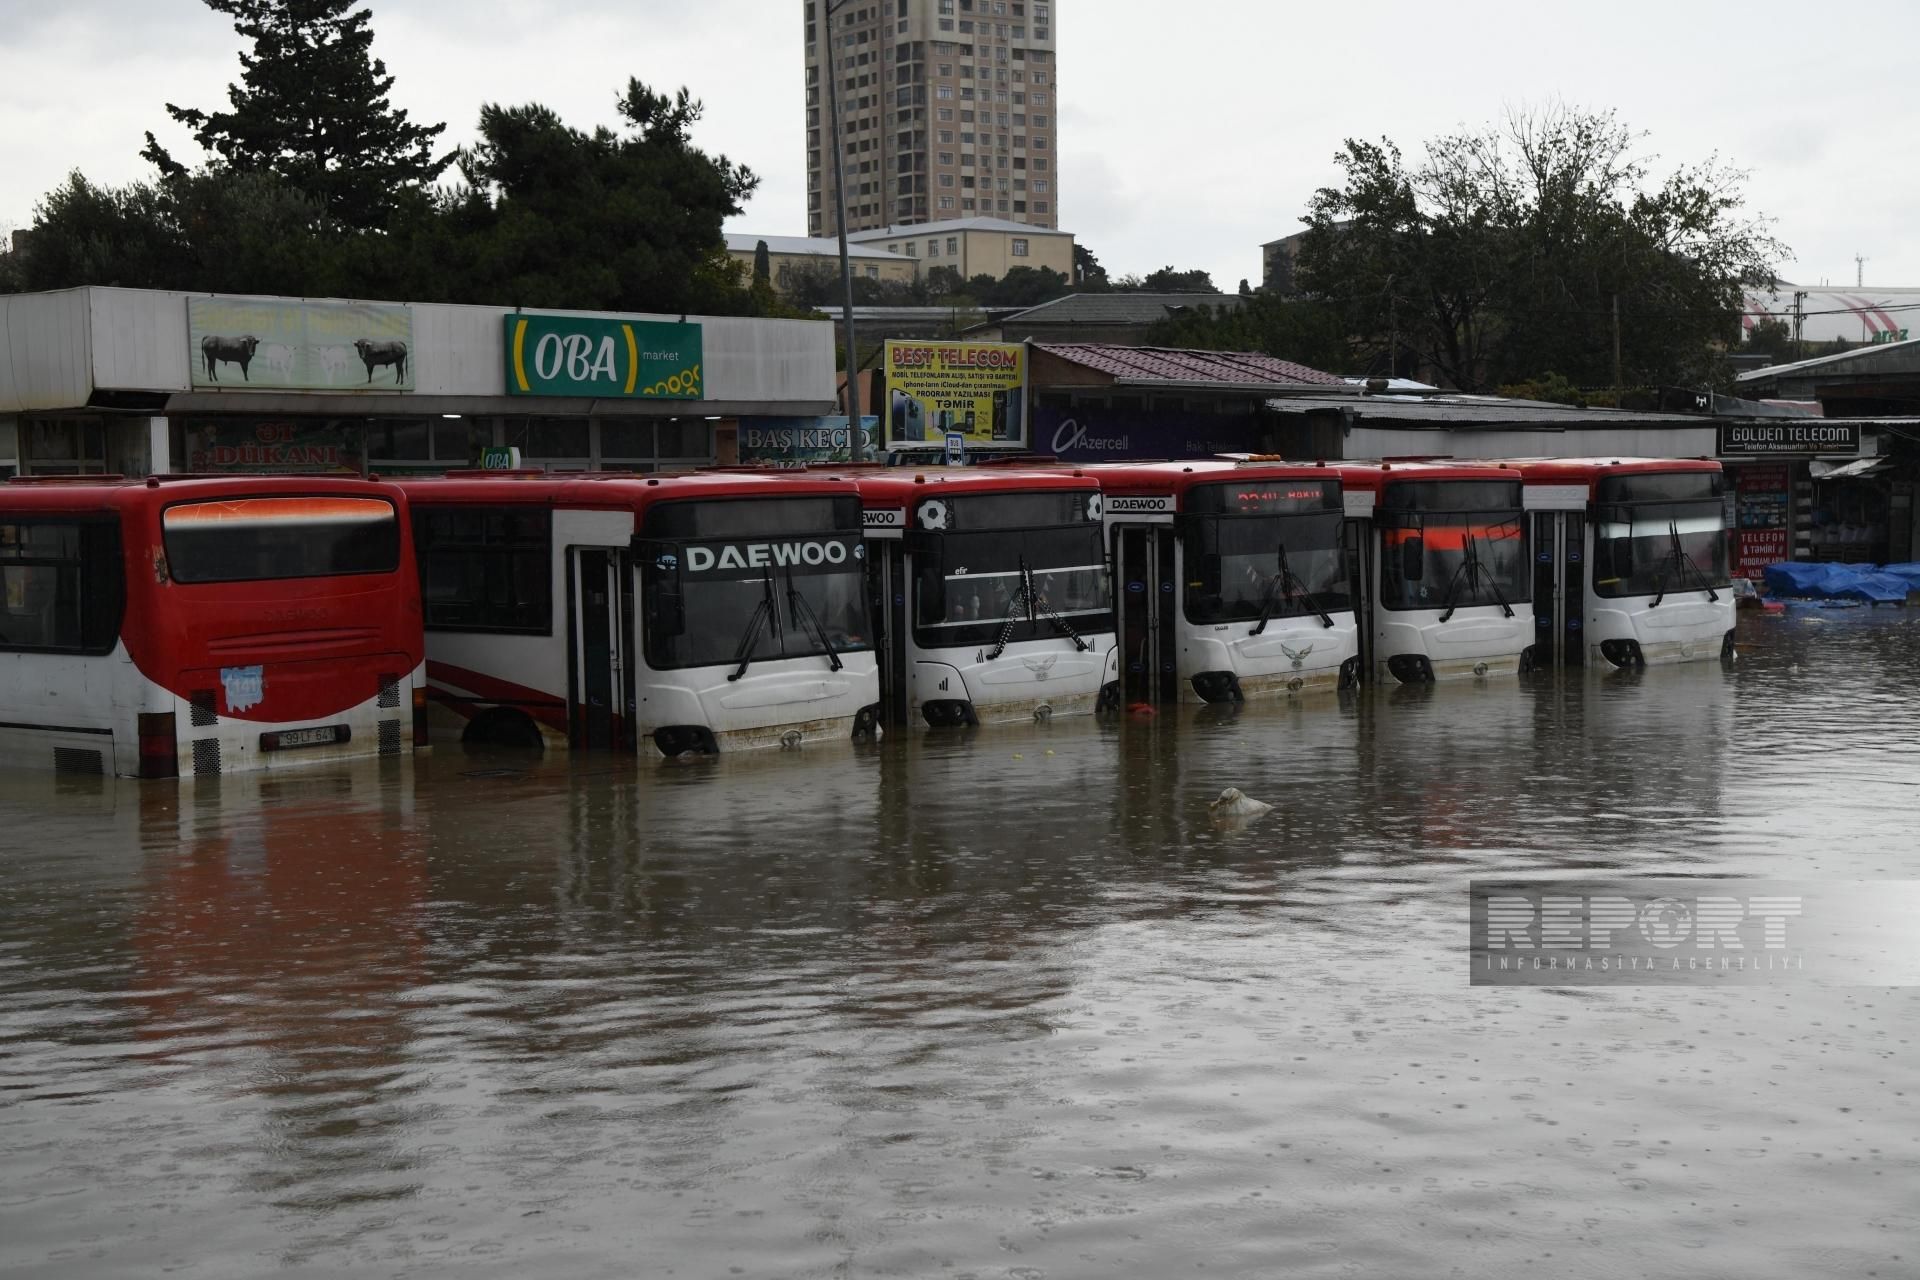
1848	470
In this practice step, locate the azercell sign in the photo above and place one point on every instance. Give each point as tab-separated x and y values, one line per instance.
608	359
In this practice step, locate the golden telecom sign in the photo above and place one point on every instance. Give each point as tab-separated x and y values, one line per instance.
973	389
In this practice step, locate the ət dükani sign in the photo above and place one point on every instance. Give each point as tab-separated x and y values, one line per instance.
607	359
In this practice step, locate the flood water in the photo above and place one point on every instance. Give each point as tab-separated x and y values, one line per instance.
988	1005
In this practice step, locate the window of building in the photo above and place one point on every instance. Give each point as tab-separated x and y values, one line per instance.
946	24
946	68
485	568
1039	162
953	246
1041	184
63	446
1039	122
873	273
946	202
61	589
966	117
946	113
946	157
1019	249
966	93
1039	144
1019	120
946	180
563	439
965	25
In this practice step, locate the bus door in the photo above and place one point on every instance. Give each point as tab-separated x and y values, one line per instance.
600	583
1559	601
887	602
1147	608
1360	573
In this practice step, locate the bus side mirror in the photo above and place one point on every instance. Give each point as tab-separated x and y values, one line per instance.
669	604
1413	559
931	567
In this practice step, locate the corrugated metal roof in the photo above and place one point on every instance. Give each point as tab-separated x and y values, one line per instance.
1464	410
908	230
1831	362
1119	308
1164	364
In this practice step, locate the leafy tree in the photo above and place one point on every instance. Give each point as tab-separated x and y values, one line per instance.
945	282
1305	332
1550	387
1172	280
1088	275
1772	338
312	106
1506	252
762	262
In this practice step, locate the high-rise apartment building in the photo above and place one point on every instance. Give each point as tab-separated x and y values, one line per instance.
948	109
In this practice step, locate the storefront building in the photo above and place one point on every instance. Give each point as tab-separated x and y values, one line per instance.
138	382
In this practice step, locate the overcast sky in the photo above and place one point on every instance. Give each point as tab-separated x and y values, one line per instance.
1189	132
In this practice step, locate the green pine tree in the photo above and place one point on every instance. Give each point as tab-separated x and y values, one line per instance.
312	107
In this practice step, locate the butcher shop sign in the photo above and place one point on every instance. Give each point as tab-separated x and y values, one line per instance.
607	358
267	344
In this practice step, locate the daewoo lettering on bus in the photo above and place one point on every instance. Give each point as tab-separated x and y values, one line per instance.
206	625
1445	575
699	613
995	583
1230	579
1630	560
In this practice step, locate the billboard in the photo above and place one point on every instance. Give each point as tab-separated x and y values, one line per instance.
977	390
608	359
1805	436
325	446
270	344
794	442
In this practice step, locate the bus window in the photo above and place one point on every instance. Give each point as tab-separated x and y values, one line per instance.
60	586
260	539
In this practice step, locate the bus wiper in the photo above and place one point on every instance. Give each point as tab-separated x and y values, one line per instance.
1472	570
764	614
1286	585
1028	600
804	616
1679	561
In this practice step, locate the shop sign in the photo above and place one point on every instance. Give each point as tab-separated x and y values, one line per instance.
1762	532
608	359
794	442
223	445
262	344
1788	436
500	458
975	390
1092	435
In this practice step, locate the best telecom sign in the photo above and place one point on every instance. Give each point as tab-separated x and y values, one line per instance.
976	390
608	359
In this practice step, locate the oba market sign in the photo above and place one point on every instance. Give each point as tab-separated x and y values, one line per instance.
605	358
975	390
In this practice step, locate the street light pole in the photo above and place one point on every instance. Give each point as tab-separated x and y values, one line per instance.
856	437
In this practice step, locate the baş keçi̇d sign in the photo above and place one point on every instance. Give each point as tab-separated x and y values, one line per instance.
606	359
1789	436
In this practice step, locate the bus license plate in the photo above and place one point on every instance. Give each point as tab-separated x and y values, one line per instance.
325	736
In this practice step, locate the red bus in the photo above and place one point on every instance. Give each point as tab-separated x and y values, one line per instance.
206	624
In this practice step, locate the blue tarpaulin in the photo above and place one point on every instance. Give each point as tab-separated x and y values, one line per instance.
1888	584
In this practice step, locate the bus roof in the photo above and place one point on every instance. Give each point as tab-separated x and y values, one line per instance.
613	490
1374	476
901	486
1179	477
114	493
1590	471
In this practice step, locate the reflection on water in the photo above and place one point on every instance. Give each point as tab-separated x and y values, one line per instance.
993	1003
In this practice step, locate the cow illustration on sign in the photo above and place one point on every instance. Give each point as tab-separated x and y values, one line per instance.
215	348
375	354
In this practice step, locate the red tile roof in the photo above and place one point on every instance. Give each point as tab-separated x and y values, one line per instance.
1163	364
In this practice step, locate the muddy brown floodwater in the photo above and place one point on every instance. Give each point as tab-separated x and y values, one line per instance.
998	1004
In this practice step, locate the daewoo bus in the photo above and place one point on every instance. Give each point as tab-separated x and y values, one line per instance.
1630	561
1231	579
698	613
1445	575
997	605
215	624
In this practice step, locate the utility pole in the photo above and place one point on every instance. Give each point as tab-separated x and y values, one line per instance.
1799	303
856	436
1617	386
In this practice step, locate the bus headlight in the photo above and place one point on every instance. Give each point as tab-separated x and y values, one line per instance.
1622	653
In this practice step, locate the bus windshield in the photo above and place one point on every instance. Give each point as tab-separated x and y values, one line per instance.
1648	548
1246	567
1451	559
718	601
261	539
1028	584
